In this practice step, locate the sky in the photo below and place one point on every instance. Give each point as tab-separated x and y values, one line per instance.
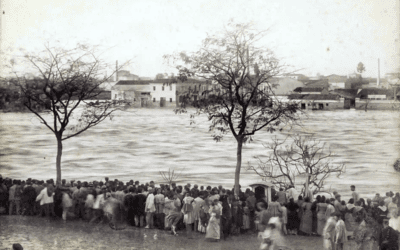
325	37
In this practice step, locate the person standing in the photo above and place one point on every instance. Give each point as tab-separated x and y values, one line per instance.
354	194
337	204
274	209
293	218
98	205
281	196
66	203
159	201
175	215
273	192
139	202
168	209
226	216
340	233
89	202
197	204
46	198
321	215
3	196
329	232
150	209
307	217
188	214
28	197
251	204
389	237
15	198
213	227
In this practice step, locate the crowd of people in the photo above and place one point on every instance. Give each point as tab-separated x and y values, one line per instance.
213	211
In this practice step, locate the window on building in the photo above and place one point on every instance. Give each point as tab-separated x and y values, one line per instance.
170	88
327	104
134	99
170	99
154	88
162	88
115	97
308	104
154	99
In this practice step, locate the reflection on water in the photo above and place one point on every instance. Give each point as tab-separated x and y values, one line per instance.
138	145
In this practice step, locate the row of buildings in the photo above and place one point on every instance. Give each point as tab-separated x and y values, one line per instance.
322	93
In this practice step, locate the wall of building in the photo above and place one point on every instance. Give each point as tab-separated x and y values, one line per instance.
169	92
377	104
327	104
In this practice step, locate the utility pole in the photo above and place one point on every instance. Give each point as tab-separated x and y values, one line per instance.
116	71
1	38
379	73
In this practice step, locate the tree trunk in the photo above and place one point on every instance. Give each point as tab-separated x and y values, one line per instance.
58	159
238	163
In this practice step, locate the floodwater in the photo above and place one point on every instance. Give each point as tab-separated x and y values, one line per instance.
140	143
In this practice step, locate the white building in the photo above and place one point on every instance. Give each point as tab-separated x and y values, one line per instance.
158	92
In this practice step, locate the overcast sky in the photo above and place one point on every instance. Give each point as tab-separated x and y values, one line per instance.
326	37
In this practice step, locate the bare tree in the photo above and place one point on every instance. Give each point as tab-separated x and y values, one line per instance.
242	101
66	82
170	176
305	156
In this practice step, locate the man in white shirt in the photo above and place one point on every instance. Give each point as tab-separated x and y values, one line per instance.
150	208
46	199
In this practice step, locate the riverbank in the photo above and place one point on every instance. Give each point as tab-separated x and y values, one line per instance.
40	233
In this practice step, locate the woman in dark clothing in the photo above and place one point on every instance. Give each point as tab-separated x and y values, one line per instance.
226	218
293	217
139	207
237	216
381	212
129	205
314	214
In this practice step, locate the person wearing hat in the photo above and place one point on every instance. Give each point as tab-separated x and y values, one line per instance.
150	208
389	237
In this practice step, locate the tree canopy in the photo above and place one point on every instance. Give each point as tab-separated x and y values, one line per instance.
65	83
285	163
242	100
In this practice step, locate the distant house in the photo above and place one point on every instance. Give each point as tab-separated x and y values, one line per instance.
157	92
337	82
353	98
315	98
317	101
160	92
194	87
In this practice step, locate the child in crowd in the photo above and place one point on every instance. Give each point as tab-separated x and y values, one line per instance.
340	233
